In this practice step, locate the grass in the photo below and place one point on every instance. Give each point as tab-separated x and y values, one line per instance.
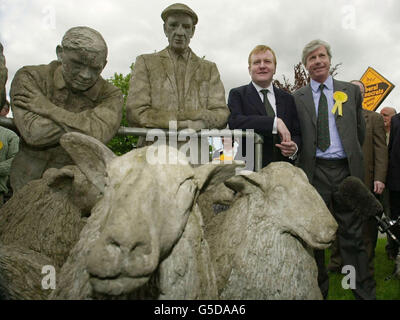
385	289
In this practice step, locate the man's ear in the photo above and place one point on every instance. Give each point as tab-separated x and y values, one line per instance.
59	52
194	29
165	29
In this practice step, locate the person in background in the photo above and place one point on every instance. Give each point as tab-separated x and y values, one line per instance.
388	113
393	179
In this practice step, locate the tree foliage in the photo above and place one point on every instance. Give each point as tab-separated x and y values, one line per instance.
122	144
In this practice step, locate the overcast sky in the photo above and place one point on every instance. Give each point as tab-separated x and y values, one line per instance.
362	33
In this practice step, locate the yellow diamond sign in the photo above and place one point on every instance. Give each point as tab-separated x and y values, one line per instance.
376	89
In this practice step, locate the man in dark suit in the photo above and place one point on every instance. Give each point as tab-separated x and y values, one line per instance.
393	177
333	129
268	110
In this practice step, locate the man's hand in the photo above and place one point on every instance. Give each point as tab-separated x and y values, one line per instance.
283	131
379	187
288	149
31	99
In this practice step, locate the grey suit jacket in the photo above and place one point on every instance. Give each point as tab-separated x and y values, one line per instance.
153	98
351	128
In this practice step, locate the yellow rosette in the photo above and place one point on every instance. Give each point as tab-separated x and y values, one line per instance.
1	145
340	98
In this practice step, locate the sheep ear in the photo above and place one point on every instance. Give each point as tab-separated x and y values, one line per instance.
210	175
246	182
90	155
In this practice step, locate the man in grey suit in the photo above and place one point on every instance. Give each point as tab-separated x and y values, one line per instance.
333	129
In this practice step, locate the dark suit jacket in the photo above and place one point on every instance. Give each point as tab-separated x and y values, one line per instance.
393	177
374	149
351	128
248	112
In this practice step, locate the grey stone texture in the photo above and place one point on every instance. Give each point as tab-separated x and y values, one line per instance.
175	84
63	96
146	237
261	247
3	77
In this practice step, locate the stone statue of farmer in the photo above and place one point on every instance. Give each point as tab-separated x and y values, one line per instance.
66	95
175	84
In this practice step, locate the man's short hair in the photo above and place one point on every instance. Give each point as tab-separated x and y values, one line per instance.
392	109
261	48
179	8
359	81
84	38
313	45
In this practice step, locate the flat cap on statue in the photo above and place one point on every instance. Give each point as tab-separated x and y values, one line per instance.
179	8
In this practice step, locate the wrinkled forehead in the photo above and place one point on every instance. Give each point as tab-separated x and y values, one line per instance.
86	57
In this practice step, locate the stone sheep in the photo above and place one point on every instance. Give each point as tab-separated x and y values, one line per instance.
141	244
39	225
145	238
261	247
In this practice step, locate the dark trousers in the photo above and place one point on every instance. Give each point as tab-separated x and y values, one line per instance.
327	177
394	199
370	237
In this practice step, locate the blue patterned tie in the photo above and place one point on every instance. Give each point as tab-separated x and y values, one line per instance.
323	138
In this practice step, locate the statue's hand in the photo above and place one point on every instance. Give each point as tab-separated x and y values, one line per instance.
32	99
196	125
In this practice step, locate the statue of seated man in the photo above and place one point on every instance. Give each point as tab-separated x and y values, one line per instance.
64	96
174	84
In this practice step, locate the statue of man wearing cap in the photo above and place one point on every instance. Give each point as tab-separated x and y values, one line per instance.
67	95
3	77
175	84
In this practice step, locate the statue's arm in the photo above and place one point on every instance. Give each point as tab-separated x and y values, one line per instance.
40	119
139	109
36	130
101	122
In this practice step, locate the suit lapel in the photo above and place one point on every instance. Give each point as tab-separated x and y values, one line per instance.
308	104
280	106
254	98
166	61
192	66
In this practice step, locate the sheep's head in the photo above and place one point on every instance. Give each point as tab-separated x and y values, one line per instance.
146	207
291	202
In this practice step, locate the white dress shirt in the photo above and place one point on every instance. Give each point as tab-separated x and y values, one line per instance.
271	99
